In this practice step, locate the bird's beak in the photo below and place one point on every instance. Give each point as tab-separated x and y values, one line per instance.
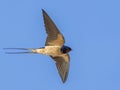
26	50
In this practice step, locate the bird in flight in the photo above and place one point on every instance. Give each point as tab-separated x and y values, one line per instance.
54	47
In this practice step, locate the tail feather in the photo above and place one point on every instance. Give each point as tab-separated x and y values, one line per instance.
26	50
18	53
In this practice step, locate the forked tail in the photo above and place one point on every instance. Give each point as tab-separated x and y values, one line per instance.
25	50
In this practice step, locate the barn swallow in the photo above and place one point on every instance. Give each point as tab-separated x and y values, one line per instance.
54	47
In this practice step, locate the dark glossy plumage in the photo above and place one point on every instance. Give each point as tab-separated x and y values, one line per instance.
65	49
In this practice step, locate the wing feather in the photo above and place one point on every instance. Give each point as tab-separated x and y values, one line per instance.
62	64
54	35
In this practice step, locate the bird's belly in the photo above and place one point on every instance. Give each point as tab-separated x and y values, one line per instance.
52	50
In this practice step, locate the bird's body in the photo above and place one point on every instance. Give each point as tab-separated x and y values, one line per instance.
54	47
49	50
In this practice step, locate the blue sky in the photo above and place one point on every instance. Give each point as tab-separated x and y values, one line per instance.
90	27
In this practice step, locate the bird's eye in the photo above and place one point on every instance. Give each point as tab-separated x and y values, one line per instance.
67	50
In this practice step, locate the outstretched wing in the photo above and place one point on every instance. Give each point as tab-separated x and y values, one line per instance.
54	35
62	64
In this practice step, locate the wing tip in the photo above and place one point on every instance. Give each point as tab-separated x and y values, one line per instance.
63	81
43	11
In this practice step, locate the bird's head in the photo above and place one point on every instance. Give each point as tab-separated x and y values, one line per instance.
65	49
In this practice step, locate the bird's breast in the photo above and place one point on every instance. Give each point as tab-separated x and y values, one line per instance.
52	50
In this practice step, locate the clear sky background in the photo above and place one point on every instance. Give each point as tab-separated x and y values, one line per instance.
90	27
